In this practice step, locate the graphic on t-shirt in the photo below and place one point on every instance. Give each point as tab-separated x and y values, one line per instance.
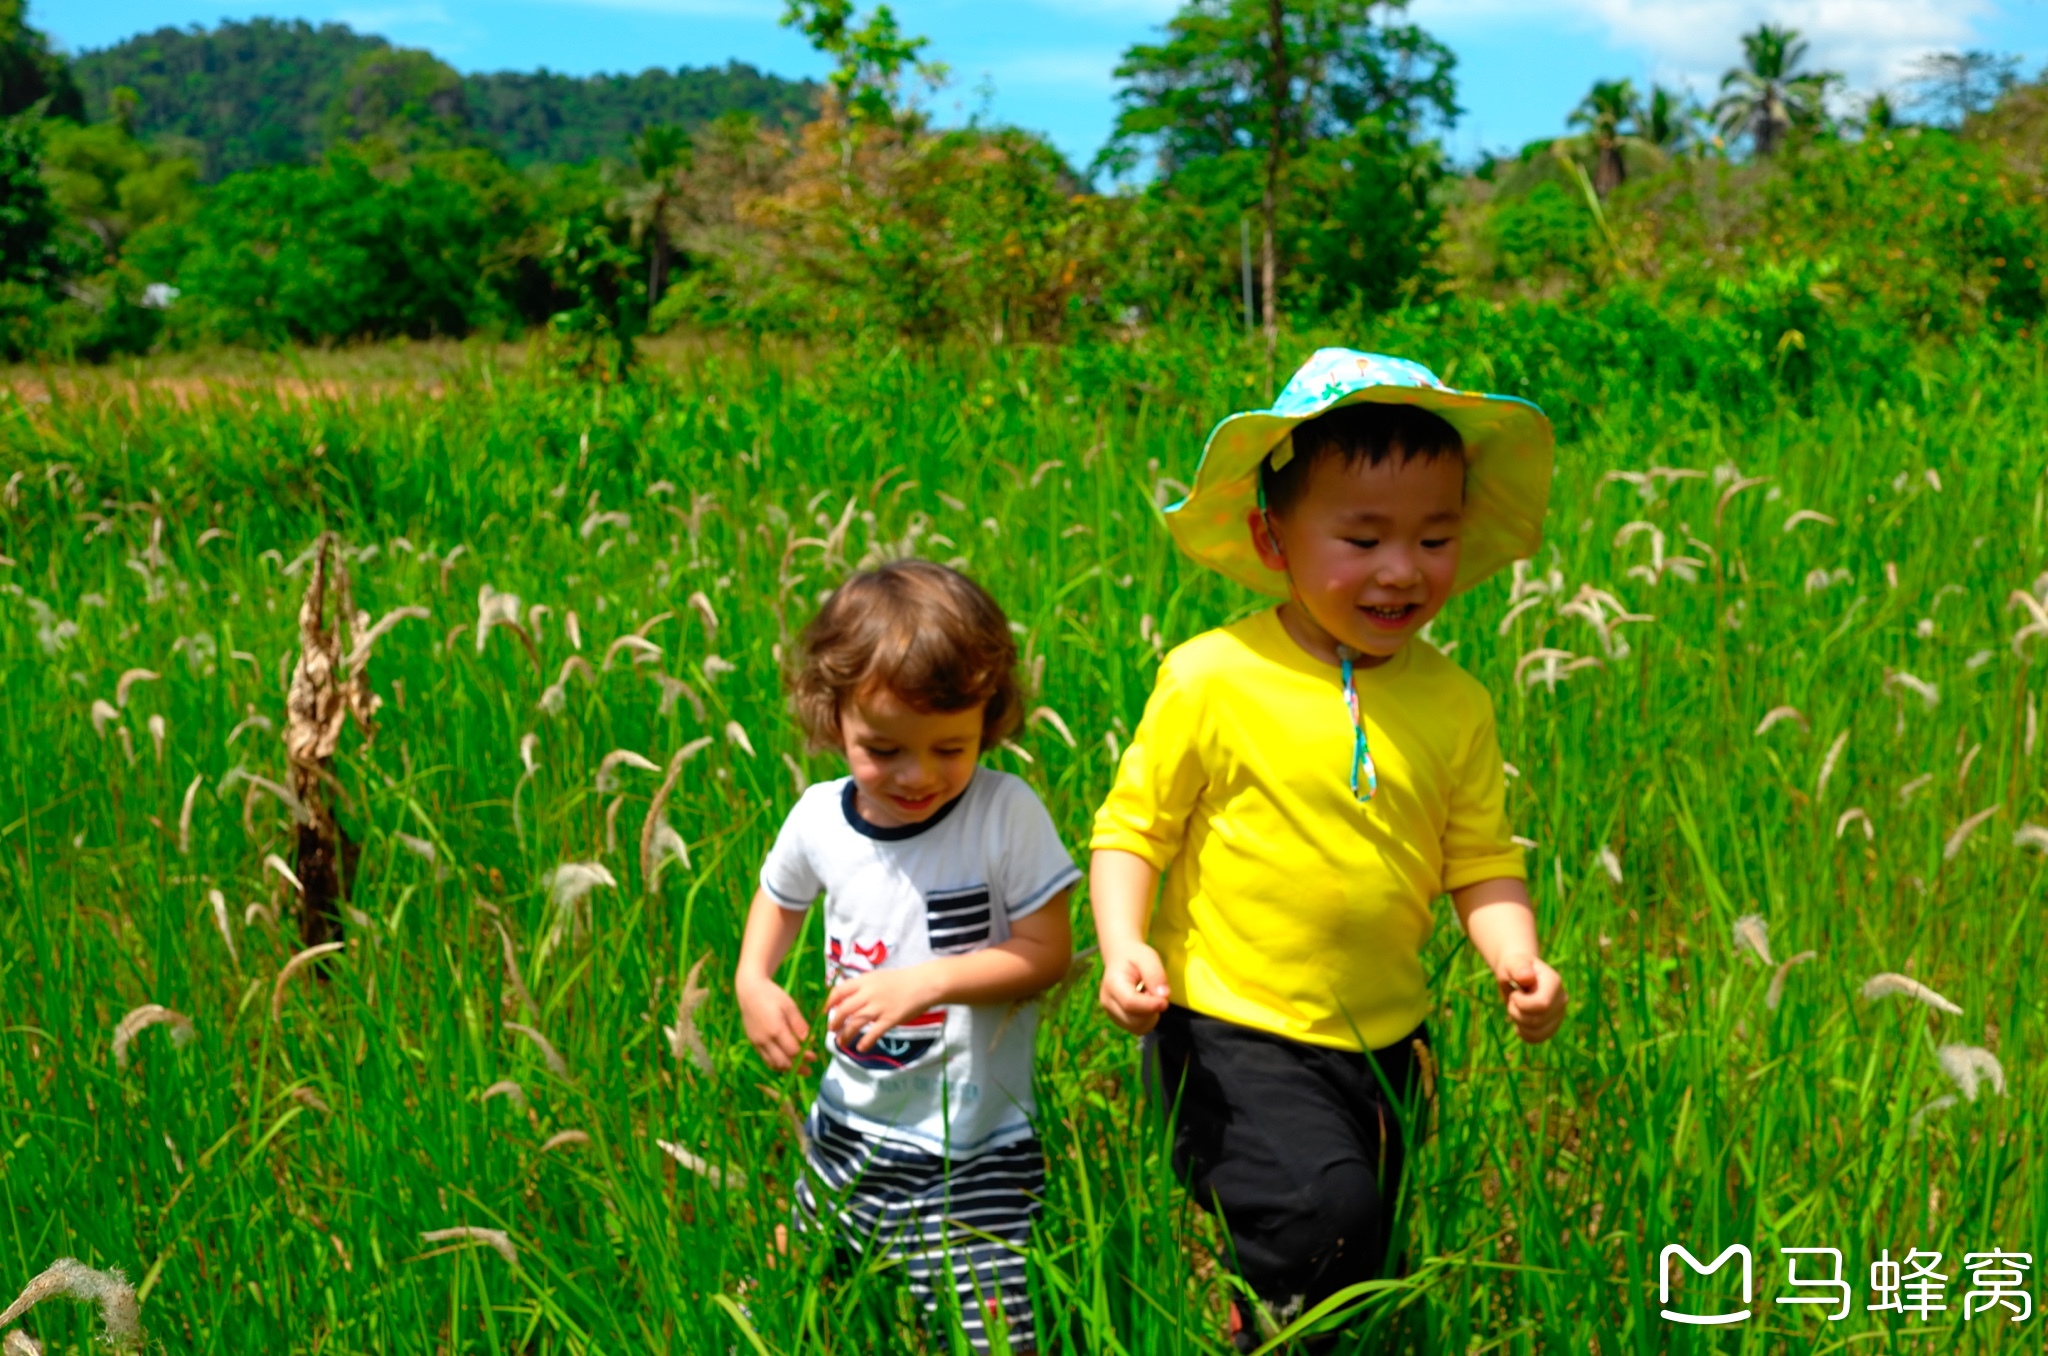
902	1045
958	920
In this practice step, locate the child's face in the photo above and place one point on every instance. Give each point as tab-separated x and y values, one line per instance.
907	764
1371	551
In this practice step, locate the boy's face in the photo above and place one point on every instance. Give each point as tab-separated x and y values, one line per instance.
1371	551
907	764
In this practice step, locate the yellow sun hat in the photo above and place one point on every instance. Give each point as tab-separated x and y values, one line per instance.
1508	454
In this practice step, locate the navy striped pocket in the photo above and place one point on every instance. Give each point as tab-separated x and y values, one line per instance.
958	920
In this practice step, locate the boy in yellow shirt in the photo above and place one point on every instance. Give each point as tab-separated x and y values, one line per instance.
1309	780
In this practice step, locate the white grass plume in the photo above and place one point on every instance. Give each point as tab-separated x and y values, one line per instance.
736	735
1880	986
1852	815
643	651
158	730
722	1178
497	1240
672	688
659	842
508	1090
1918	1120
19	1343
273	862
716	666
607	768
558	1066
1609	863
185	815
2031	836
72	1278
1778	713
360	651
1969	1067
1776	993
493	607
684	1041
219	902
562	1139
1046	715
1963	831
127	681
512	976
569	886
142	1019
299	961
1827	764
284	795
103	713
702	606
1752	934
1927	692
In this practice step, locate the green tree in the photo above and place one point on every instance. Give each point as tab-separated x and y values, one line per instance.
1953	85
29	71
400	102
1609	113
1770	95
656	205
28	219
1264	80
873	58
111	184
1666	120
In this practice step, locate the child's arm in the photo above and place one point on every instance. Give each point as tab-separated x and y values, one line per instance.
1035	957
1120	885
1502	925
773	1021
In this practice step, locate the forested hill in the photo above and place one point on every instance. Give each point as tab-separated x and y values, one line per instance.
270	92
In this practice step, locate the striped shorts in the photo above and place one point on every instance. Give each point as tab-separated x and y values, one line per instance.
968	1220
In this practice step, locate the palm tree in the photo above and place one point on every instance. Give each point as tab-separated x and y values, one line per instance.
654	205
1602	113
1666	120
1770	96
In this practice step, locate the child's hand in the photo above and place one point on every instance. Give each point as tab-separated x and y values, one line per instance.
1534	995
775	1025
877	1001
1134	991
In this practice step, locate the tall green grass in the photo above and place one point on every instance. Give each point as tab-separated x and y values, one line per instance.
266	1184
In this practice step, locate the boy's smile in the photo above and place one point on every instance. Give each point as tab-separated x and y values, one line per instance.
907	764
1370	551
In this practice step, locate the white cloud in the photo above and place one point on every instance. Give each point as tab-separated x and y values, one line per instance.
383	18
1871	42
1070	70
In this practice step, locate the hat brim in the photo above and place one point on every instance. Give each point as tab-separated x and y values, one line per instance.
1509	454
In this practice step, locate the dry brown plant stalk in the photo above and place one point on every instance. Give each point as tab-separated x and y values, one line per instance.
329	684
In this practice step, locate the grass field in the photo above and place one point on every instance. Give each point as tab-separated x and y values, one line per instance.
267	1182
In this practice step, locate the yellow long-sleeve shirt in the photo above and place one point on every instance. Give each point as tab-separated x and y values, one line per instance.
1288	905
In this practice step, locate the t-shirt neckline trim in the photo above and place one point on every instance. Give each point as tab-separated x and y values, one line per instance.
893	833
1281	649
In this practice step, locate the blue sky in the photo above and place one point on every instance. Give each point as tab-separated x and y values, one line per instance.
1522	64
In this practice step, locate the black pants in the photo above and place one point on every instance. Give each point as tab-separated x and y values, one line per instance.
1297	1147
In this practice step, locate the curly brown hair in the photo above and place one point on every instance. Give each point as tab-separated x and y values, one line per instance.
927	633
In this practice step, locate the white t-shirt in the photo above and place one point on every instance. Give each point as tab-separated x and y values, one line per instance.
956	1079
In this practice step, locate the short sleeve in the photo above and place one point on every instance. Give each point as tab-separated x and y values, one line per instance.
1478	842
1033	864
788	875
1159	778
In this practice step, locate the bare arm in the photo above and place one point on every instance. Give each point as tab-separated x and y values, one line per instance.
1032	960
1501	922
1134	991
774	1023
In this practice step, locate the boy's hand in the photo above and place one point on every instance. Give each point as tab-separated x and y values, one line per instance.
877	1001
775	1025
1534	995
1134	991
